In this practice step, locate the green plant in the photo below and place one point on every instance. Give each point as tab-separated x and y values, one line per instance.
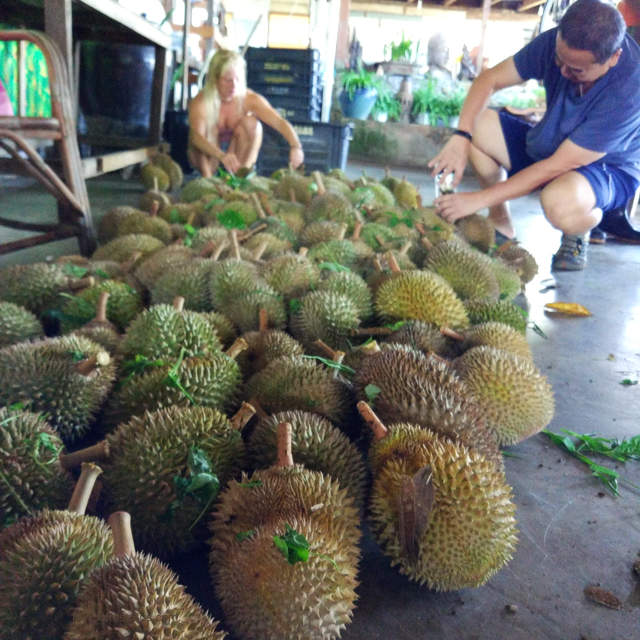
352	81
423	98
400	52
386	102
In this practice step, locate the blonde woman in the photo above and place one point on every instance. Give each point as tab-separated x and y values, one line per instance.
225	120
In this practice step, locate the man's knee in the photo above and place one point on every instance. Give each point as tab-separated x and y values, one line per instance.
569	205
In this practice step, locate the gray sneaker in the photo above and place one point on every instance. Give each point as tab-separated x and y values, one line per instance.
572	254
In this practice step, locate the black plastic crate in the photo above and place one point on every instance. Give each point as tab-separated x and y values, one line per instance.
306	93
325	145
287	102
300	113
309	67
271	54
284	78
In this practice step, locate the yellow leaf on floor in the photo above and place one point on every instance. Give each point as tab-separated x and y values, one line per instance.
570	308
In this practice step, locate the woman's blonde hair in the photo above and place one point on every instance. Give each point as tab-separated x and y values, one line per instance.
221	62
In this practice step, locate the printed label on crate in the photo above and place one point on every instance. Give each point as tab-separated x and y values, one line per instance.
279	79
303	131
276	66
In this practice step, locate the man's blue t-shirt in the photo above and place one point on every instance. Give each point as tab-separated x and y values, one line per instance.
606	118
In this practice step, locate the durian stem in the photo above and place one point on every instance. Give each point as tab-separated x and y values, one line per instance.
263	320
123	545
234	243
237	348
83	283
265	203
84	487
207	250
221	247
178	303
377	265
285	457
191	217
88	366
393	263
262	247
343	231
405	248
101	308
450	333
372	331
256	203
356	231
242	416
326	349
99	451
260	412
155	183
371	347
317	177
426	243
302	251
372	420
252	232
419	199
292	195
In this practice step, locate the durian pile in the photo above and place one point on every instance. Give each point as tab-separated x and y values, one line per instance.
218	315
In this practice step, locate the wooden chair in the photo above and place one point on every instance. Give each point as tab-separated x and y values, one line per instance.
68	186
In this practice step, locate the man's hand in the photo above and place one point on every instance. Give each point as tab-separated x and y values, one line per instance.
231	162
452	158
296	157
453	206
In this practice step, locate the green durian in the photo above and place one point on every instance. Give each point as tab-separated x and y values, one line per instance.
17	324
122	248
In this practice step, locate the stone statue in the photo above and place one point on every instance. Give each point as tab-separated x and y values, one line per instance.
467	68
437	58
355	52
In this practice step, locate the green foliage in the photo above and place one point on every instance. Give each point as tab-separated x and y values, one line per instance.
401	52
293	545
352	81
338	366
231	219
372	391
386	102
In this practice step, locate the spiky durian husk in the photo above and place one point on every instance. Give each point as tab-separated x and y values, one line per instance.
471	532
29	450
229	278
277	494
108	225
291	213
478	231
515	397
336	185
327	316
207	235
163	332
505	311
244	310
159	442
468	275
519	259
161	262
177	212
353	287
33	286
141	222
102	335
265	597
148	200
331	206
499	335
17	324
365	194
197	188
320	231
274	245
241	210
154	177
340	251
265	346
42	572
280	229
425	390
190	281
420	295
296	383
508	279
437	229
406	194
291	275
224	328
301	186
424	336
123	305
136	596
379	236
316	444
122	248
171	168
43	376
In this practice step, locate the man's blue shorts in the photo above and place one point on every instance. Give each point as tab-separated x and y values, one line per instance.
612	187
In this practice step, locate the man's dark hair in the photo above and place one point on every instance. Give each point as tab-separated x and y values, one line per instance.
593	25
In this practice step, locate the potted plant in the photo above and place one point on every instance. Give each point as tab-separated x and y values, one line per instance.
423	99
359	92
387	106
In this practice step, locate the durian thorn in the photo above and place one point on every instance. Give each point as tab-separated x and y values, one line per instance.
426	243
393	263
265	203
258	207
317	176
260	412
208	249
342	232
99	451
220	248
239	345
84	487
372	420
377	265
127	265
155	183
83	283
372	331
234	244
292	195
155	207
242	416
101	308
252	232
259	251
263	320
89	365
450	333
357	230
302	251
285	456
178	303
123	545
405	248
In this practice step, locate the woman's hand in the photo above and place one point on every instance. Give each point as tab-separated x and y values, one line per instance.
231	162
296	157
452	158
453	206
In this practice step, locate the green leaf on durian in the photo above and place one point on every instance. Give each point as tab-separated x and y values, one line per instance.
293	545
174	216
241	536
231	219
77	356
74	270
343	368
372	392
333	266
251	484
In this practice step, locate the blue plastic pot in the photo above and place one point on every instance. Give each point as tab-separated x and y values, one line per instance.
360	106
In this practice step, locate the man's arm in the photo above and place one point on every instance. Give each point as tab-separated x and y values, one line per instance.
454	156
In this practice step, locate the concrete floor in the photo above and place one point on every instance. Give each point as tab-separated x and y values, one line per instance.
573	532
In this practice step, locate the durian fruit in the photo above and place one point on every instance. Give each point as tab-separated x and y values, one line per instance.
294	382
190	280
515	397
153	198
327	205
341	252
291	274
368	193
352	286
210	240
424	336
420	295
406	194
179	213
110	221
238	212
295	187
110	606
432	227
166	331
508	279
100	330
171	168
519	259
269	245
321	231
442	513
423	389
122	248
478	231
492	334
244	310
316	444
224	328
29	449
229	278
162	261
151	224
337	185
468	275
67	378
17	324
291	213
378	236
197	188
388	180
154	177
44	562
327	316
206	382
504	311
264	591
